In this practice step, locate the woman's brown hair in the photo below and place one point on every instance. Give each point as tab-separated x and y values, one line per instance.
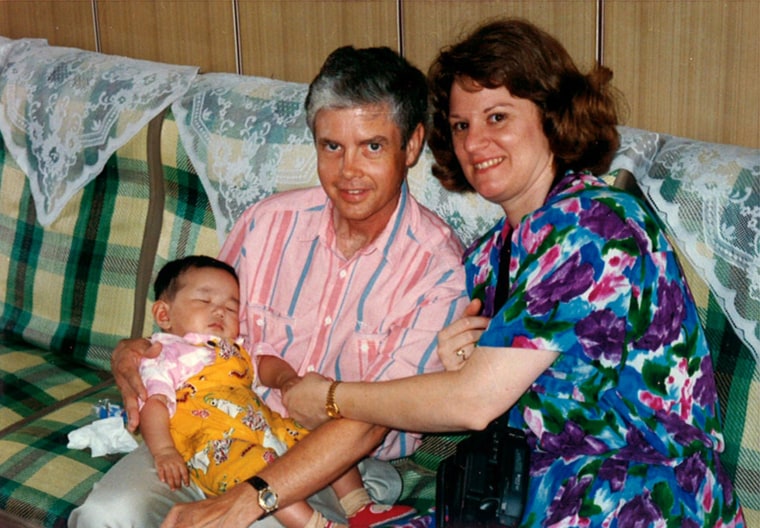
578	111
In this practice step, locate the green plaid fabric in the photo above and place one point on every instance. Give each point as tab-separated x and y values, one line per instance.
41	480
87	260
737	375
188	226
32	380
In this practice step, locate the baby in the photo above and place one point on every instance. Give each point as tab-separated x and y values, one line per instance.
202	418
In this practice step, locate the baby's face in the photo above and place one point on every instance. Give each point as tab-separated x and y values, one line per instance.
208	302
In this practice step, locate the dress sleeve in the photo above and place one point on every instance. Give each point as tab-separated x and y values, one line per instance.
571	280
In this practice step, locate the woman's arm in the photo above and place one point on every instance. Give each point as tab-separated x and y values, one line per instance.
488	384
154	428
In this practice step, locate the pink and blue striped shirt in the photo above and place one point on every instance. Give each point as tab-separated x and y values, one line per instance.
372	317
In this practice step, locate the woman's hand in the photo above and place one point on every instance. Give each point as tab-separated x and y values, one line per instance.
457	341
305	401
125	366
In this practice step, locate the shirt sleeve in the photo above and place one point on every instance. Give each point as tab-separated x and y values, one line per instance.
158	377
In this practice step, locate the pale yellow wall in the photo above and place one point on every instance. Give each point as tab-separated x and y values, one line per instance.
686	67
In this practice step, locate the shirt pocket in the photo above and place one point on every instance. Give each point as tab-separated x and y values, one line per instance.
270	326
368	348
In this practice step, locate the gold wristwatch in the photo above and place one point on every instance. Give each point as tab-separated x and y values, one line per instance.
268	499
331	408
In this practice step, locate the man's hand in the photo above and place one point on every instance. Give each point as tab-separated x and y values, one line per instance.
232	509
125	366
305	401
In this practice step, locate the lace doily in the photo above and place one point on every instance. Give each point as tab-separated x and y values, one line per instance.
468	214
65	111
246	138
708	195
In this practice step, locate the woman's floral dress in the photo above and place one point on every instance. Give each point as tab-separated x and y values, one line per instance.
624	425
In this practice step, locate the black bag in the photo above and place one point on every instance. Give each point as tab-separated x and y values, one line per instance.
485	483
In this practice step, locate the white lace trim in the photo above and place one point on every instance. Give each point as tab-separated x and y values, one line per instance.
708	195
65	111
246	138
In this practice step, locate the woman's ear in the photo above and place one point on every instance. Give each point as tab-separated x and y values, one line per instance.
160	311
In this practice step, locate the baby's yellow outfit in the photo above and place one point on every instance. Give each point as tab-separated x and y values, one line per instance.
220	426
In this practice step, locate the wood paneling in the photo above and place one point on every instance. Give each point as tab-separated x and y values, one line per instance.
688	68
288	39
431	24
193	32
63	23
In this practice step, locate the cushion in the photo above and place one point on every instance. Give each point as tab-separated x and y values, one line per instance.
41	480
188	226
65	111
32	380
87	259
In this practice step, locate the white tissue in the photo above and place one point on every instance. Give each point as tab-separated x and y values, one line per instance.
103	437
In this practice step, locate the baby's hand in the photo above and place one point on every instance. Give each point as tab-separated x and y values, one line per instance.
171	468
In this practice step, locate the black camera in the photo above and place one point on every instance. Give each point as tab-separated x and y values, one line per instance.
485	483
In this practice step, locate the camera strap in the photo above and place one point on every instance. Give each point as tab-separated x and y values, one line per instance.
502	282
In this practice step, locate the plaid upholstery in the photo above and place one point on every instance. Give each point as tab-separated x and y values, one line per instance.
188	225
32	380
737	375
87	260
41	480
67	295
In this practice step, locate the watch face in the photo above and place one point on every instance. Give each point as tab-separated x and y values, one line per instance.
269	498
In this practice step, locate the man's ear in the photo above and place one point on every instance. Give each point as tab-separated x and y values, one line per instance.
160	311
414	145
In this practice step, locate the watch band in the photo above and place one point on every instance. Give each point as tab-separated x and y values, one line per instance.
331	407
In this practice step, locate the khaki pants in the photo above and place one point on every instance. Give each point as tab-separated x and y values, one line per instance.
130	495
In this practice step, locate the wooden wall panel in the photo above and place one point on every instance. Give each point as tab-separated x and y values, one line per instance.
289	39
688	68
685	68
193	32
431	24
68	23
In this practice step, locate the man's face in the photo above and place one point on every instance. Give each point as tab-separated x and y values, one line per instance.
362	165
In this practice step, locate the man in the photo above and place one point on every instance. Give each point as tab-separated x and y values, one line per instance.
352	279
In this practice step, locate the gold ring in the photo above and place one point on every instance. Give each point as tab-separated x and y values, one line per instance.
460	352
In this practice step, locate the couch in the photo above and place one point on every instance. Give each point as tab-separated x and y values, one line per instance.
86	219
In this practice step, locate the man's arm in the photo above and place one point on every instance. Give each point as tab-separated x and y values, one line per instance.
310	465
125	366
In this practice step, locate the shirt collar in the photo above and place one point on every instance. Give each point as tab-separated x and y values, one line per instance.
385	241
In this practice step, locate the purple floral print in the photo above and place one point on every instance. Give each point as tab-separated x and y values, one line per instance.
624	425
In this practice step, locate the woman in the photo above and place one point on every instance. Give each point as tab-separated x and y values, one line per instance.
581	321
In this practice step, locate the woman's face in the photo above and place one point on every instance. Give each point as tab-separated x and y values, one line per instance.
501	147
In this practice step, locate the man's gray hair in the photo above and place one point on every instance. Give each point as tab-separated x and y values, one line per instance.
353	77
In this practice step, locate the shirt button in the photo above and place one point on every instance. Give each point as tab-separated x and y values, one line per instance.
342	274
328	320
259	322
310	368
364	347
